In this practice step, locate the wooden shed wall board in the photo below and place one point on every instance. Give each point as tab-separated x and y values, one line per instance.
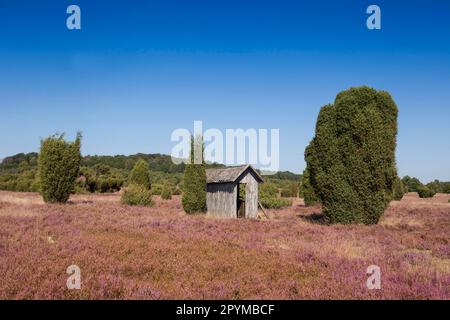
221	199
251	195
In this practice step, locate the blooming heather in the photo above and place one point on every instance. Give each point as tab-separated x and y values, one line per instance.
161	253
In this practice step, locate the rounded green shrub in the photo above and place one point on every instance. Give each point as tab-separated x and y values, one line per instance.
411	184
137	195
275	203
269	197
289	190
439	186
351	159
36	185
58	166
307	190
268	190
425	192
398	189
157	189
25	181
140	174
166	193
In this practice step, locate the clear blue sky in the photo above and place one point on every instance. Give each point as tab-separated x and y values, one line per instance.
139	69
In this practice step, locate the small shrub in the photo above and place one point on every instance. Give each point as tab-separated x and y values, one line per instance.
36	185
268	190
102	169
289	190
104	185
58	166
166	193
140	174
286	193
25	181
100	178
307	190
425	192
108	184
411	184
268	196
79	190
275	203
137	195
439	186
157	189
398	189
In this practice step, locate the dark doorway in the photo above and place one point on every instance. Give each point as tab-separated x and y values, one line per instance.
241	200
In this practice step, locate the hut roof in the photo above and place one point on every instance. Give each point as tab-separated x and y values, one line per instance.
230	174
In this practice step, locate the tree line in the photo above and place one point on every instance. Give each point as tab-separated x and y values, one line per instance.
351	167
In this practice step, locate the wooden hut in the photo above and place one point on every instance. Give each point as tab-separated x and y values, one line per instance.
233	192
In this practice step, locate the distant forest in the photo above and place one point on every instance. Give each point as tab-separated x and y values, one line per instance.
110	173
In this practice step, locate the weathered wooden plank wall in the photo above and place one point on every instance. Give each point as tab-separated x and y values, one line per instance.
251	195
221	199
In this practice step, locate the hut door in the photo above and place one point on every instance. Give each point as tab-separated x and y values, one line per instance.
241	200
